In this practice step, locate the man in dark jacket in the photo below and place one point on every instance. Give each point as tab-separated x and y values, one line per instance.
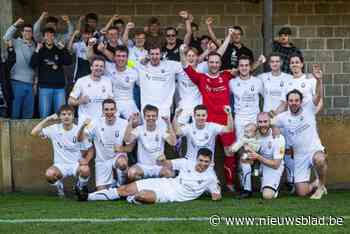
49	59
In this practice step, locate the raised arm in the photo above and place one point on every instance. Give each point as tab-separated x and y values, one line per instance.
176	125
9	35
229	124
212	35
37	25
110	22
317	74
187	18
81	133
129	137
171	137
71	40
261	60
128	27
226	42
37	129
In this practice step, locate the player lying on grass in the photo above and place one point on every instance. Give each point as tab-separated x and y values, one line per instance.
193	180
68	152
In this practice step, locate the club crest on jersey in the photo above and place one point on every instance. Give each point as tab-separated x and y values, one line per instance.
252	88
269	145
127	79
156	138
194	132
220	80
74	140
89	85
102	129
56	57
301	118
200	181
303	85
206	136
188	171
281	84
162	71
145	134
289	120
103	89
148	76
239	84
116	134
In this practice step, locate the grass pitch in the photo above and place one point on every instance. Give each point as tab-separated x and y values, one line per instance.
48	214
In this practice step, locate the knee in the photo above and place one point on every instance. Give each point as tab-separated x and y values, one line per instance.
319	160
166	172
84	171
301	192
122	164
268	195
51	176
141	197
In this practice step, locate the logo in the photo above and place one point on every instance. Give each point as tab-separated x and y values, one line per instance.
239	84
89	85
206	136
157	138
303	85
162	71
116	134
103	89
74	140
102	129
301	118
200	181
270	145
194	132
220	80
127	79
252	88
56	57
281	84
289	120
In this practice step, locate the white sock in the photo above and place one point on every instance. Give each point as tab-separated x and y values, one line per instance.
83	181
104	195
246	179
122	176
290	168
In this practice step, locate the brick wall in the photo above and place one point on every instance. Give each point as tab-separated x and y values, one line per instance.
321	28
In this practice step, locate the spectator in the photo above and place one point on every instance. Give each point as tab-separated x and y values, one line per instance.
49	59
285	48
21	74
154	37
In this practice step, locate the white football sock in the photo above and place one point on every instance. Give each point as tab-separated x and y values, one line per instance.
104	195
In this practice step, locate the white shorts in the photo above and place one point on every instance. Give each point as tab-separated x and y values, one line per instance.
271	178
162	187
126	108
104	172
67	169
150	171
302	166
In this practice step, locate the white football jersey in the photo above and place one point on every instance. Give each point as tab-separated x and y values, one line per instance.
189	93
272	148
300	130
150	144
306	84
80	49
66	148
123	82
157	83
246	97
97	91
274	89
190	184
136	54
105	137
200	138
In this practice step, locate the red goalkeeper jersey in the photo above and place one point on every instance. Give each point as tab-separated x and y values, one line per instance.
215	92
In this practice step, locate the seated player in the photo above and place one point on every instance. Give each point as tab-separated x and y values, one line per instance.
150	138
68	160
193	180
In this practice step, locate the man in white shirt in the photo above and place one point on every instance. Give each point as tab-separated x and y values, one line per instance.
123	80
246	91
90	91
68	151
274	84
107	134
150	138
193	180
270	156
299	124
157	81
201	133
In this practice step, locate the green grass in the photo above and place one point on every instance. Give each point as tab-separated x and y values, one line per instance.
28	206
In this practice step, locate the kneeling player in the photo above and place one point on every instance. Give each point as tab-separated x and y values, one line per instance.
270	156
68	159
193	180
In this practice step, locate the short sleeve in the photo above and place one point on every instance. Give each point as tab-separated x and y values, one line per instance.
217	128
213	185
203	67
77	90
179	163
47	132
185	129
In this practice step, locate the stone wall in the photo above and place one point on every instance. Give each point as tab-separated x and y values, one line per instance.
321	28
